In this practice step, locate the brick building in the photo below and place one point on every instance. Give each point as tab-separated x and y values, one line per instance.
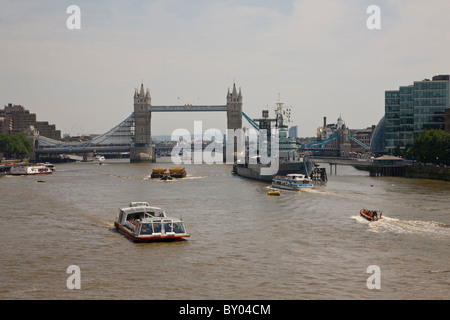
16	119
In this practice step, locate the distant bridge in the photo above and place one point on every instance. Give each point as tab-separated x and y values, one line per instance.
318	146
315	146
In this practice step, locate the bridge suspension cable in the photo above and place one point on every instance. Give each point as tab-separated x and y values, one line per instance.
253	123
362	144
121	134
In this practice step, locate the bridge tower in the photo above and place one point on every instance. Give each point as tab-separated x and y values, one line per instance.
142	149
234	109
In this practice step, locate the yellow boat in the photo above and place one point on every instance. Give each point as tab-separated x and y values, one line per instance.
274	193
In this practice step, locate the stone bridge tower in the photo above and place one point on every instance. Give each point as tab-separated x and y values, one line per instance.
234	109
142	149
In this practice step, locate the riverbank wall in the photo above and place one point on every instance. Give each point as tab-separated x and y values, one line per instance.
427	172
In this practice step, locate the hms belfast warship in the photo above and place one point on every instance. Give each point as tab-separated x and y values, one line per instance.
290	159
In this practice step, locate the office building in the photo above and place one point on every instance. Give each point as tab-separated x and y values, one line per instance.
293	132
414	108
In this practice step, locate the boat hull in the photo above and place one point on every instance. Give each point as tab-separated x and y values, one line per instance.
160	238
294	188
254	171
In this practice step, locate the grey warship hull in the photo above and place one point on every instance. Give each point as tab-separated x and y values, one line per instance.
253	171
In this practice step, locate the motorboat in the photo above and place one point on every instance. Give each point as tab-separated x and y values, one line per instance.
166	176
144	223
27	169
371	215
292	181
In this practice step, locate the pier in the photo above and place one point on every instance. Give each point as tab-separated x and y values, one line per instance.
378	167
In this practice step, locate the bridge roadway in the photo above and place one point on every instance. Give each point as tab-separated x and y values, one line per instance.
77	149
188	107
363	164
343	161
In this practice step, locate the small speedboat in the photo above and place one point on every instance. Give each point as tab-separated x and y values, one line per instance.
371	215
292	181
144	223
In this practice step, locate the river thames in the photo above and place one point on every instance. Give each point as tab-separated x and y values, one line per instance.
244	243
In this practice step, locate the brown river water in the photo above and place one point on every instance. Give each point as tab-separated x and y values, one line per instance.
244	243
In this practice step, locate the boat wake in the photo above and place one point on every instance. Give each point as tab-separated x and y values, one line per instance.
393	225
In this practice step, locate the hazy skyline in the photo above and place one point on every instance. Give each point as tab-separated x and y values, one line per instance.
318	55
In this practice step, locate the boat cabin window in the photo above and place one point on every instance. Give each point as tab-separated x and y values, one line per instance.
146	228
141	215
178	227
157	213
139	204
156	227
168	226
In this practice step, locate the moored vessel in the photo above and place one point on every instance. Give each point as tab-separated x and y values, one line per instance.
290	160
144	223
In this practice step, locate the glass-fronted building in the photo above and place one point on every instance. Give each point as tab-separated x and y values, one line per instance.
414	108
392	117
406	116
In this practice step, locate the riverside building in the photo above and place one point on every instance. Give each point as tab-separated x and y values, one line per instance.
414	108
17	119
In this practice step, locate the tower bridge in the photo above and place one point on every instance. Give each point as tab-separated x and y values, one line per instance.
134	133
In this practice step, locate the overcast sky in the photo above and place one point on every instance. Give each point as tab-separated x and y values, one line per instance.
318	55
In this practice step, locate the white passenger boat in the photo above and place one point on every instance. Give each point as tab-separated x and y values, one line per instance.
292	181
49	165
144	223
27	169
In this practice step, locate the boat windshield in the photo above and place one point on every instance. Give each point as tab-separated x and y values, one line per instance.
178	227
156	227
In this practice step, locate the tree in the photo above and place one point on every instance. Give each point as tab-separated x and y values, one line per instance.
432	146
15	144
